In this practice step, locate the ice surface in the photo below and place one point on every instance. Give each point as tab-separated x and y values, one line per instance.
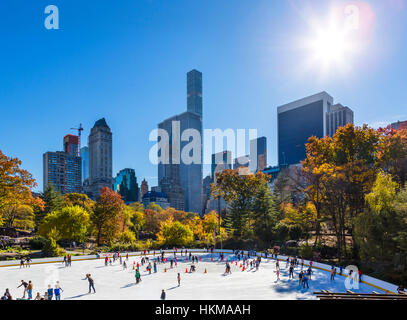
114	283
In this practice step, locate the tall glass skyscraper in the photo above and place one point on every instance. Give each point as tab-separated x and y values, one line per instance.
189	175
194	92
126	185
85	162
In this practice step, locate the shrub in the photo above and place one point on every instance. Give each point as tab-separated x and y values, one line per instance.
306	251
38	243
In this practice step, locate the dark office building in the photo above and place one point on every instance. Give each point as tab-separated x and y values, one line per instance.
299	120
126	185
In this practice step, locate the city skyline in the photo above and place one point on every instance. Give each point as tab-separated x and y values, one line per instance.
136	87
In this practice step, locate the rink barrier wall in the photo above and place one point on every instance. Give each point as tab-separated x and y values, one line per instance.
370	281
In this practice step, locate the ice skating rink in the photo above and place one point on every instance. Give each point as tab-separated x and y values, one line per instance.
114	283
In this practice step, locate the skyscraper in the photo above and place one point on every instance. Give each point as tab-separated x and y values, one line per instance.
299	120
311	116
126	185
222	161
85	163
194	92
258	154
189	175
100	158
63	169
71	144
243	161
338	116
143	189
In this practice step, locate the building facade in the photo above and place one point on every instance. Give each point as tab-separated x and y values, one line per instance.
221	161
85	163
156	197
126	185
258	154
178	176
299	120
100	159
63	169
243	161
143	188
338	116
194	92
398	125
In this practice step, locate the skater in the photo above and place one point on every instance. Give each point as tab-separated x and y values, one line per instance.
21	263
278	274
155	267
50	292
91	283
27	262
25	285
333	273
305	281
300	278
360	275
179	279
291	272
30	290
309	272
106	260
57	292
138	277
162	295
124	265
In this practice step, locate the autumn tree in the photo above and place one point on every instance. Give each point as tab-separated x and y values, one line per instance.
174	233
69	223
107	215
15	189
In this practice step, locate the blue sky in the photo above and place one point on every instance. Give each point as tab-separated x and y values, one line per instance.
127	61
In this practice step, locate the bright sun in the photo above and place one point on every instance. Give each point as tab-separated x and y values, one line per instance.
330	46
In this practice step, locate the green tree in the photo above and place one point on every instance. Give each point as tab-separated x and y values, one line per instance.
53	201
68	223
376	229
174	233
265	213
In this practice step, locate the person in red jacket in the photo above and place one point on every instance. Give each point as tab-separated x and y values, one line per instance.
360	275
